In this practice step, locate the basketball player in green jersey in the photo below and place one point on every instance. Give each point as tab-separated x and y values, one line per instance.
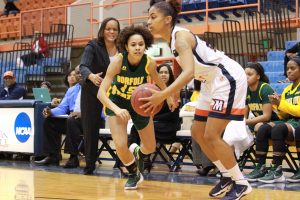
129	70
257	100
288	106
259	104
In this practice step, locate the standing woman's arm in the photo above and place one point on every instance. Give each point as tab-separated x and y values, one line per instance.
86	61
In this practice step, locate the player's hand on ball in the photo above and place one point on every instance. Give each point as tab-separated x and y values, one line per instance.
152	102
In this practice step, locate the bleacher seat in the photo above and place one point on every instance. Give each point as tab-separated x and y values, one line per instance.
274	77
20	75
189	5
201	4
279	87
35	73
290	44
275	55
272	66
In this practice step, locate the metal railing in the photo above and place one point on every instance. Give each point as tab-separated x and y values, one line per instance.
130	17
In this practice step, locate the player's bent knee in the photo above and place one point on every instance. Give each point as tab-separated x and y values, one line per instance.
279	132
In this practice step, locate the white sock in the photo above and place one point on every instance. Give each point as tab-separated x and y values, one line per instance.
222	169
237	175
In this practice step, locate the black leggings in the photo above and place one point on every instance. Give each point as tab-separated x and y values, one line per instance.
279	134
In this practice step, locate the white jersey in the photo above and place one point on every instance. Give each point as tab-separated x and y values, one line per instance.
223	94
206	58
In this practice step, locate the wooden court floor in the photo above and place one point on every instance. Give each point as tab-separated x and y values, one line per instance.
26	184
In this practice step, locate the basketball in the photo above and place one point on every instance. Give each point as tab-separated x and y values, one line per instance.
140	92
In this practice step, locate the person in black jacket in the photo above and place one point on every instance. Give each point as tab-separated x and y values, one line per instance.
96	57
166	123
11	90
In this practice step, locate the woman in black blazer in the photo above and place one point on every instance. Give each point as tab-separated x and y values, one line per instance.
96	57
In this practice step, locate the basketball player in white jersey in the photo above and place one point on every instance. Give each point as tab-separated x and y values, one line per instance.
222	98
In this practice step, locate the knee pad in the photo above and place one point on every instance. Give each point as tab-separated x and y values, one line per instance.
279	132
264	132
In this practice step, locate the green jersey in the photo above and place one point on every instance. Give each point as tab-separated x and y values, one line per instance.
290	102
256	99
124	84
129	78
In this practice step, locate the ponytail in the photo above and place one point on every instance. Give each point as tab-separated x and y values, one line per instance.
168	8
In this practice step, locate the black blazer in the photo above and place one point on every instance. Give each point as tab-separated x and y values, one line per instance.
95	59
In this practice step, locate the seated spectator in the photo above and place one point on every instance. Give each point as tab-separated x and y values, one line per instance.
10	7
258	103
257	100
166	123
46	84
279	131
39	50
73	135
54	126
71	78
11	89
55	101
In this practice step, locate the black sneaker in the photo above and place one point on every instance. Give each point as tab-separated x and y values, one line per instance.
133	181
221	187
237	191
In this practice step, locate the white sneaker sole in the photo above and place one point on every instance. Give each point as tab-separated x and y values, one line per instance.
277	180
251	179
225	189
249	190
293	180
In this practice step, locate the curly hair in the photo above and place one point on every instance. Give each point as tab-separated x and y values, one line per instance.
129	31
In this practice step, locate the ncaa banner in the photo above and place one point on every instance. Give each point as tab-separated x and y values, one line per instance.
17	130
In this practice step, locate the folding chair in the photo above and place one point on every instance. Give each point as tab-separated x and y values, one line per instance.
247	156
175	160
164	153
290	158
185	139
105	137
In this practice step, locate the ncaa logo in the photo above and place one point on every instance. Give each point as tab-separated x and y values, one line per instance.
22	127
